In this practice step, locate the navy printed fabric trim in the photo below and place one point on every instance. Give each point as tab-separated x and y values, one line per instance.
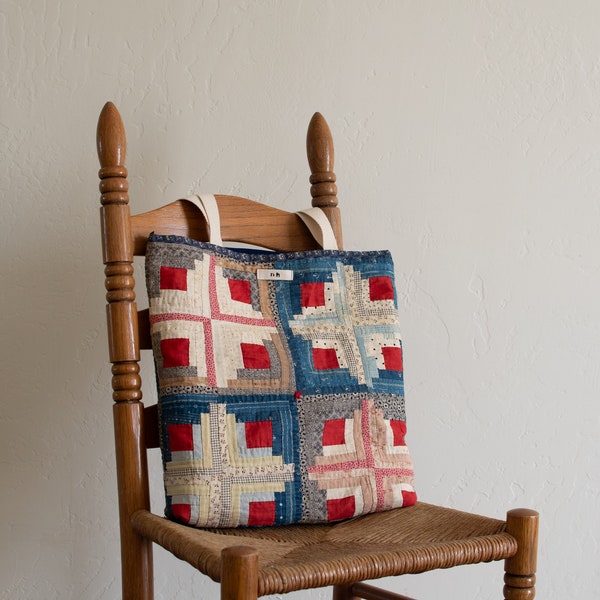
253	255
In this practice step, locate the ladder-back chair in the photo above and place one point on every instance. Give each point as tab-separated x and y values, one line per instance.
252	562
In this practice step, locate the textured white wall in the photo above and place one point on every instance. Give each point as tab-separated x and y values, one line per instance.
467	136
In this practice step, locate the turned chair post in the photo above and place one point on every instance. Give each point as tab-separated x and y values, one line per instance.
239	573
520	569
319	148
121	312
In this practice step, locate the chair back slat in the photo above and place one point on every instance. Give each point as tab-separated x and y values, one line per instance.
242	220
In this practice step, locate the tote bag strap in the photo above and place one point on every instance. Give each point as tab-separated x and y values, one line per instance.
314	218
320	227
207	204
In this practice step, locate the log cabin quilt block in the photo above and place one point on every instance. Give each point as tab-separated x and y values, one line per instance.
280	379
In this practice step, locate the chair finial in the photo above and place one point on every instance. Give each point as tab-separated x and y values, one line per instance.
112	147
117	252
319	147
110	137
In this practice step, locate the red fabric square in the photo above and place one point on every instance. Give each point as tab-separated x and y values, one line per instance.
392	358
381	288
175	352
255	356
408	498
173	278
182	512
334	432
312	294
399	431
181	437
240	290
259	434
261	513
341	508
325	358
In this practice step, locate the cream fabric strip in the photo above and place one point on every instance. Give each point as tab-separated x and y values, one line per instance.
320	227
207	204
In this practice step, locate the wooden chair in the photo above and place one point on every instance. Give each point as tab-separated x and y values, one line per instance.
254	562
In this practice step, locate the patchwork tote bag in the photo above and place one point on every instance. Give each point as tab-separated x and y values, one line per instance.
281	391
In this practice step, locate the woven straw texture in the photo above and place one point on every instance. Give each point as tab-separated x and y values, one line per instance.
409	540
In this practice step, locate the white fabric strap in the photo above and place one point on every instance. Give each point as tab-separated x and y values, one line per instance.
314	218
320	227
207	204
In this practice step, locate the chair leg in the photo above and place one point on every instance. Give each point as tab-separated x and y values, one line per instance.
132	477
364	591
519	577
343	592
239	573
136	566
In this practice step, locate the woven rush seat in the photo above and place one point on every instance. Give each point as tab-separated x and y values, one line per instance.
409	540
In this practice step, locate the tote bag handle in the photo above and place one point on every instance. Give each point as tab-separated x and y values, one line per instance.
314	218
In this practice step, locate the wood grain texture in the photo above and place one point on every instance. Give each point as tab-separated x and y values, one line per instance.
321	156
239	576
124	353
132	480
369	592
111	142
520	569
242	220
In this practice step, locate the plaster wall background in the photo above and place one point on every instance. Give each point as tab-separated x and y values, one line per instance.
467	141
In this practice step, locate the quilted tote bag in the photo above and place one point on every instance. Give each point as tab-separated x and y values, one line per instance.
281	396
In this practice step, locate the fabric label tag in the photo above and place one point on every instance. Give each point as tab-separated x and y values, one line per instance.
280	274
